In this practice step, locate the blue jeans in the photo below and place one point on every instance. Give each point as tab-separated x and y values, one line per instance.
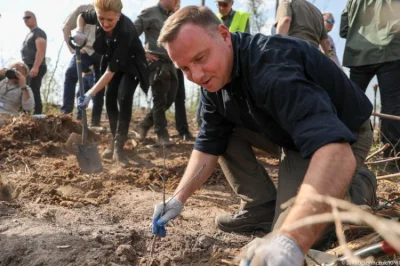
388	74
71	79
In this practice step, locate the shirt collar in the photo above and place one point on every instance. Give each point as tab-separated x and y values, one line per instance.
163	10
235	48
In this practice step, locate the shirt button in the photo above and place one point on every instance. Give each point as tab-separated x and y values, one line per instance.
117	60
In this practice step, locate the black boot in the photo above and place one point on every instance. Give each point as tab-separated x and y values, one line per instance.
109	152
119	155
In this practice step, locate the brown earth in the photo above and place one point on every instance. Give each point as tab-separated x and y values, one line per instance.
51	214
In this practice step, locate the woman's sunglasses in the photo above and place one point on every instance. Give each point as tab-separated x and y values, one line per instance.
330	20
26	17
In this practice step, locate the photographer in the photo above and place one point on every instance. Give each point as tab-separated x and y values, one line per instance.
14	93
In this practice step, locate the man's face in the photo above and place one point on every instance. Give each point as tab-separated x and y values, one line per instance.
107	19
28	19
170	5
206	60
329	22
224	8
177	5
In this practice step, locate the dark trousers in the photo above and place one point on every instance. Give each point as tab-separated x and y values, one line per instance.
119	97
180	109
71	79
164	85
35	84
252	183
388	74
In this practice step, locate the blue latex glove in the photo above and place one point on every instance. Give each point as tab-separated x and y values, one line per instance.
163	214
278	250
83	102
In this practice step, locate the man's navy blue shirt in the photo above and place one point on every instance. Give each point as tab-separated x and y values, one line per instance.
287	90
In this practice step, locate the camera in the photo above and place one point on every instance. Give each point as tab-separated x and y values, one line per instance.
11	73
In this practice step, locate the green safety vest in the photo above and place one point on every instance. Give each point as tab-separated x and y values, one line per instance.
239	21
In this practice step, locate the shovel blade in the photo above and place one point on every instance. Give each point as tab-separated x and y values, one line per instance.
89	159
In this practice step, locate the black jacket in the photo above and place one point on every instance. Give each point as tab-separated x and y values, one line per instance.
123	51
287	90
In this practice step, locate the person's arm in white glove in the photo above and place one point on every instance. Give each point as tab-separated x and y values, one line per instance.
163	214
278	250
174	208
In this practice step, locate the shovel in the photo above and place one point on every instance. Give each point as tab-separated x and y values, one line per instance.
88	155
315	257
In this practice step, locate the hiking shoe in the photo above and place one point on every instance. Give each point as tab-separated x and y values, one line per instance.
163	140
187	136
119	155
109	152
142	132
247	220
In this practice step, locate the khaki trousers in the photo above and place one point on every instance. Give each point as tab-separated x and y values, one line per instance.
252	183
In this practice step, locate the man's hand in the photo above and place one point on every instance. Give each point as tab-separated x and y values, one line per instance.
80	38
163	214
72	50
34	72
21	79
278	250
152	58
83	102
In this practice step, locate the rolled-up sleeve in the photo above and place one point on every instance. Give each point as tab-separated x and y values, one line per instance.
303	108
215	130
29	104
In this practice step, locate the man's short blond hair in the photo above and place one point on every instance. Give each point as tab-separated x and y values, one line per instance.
108	5
197	15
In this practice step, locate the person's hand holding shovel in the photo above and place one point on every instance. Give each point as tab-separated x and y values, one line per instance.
83	102
80	38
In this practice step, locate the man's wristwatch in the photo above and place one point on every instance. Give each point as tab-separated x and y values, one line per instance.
24	88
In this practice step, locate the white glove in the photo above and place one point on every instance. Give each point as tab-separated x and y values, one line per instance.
80	38
83	102
163	214
278	250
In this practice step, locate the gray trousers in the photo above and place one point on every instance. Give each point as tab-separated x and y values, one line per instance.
252	183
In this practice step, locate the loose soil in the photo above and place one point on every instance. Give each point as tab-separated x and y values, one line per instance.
51	214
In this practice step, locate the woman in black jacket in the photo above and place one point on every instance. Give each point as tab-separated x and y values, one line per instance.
123	66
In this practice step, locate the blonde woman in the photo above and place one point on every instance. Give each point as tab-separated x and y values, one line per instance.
123	66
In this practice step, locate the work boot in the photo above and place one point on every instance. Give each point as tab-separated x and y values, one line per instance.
247	220
109	152
187	136
119	155
142	132
163	140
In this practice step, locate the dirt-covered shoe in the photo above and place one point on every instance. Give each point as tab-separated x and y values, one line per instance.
187	136
163	140
142	132
119	155
247	220
109	152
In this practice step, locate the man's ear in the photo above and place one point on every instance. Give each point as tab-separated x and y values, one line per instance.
224	31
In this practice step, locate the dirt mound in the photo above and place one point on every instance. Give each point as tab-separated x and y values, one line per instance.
28	136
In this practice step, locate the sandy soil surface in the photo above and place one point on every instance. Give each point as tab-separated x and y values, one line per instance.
51	214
